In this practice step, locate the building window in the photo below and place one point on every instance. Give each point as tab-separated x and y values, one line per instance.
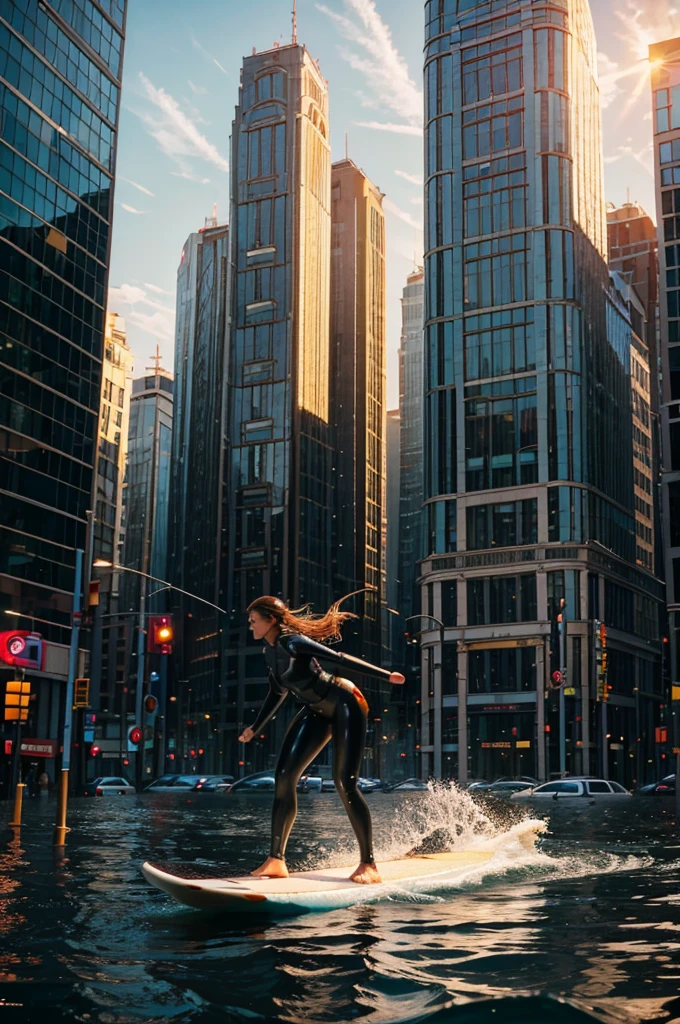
504	525
258	312
501	599
449	602
258	430
492	74
508	670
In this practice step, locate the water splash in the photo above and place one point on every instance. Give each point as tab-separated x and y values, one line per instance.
452	819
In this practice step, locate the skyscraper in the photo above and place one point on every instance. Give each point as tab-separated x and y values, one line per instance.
278	481
60	77
527	379
198	498
108	638
665	64
148	486
411	398
357	397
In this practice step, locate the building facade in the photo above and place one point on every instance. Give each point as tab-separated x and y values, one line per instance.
527	377
199	502
278	415
357	400
110	636
147	489
665	66
60	78
411	404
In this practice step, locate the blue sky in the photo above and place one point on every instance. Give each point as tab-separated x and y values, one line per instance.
180	86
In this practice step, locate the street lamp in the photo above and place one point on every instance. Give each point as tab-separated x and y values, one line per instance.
102	563
437	752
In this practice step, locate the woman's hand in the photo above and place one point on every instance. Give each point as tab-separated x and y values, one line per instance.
397	678
246	736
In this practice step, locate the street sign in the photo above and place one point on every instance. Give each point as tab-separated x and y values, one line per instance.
523	744
37	748
569	691
557	677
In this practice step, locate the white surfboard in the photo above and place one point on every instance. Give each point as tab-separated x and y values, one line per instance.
331	888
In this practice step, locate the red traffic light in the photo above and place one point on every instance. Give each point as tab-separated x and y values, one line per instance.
161	634
150	704
94	750
135	735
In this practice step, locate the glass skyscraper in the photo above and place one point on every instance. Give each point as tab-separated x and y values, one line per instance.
527	379
198	505
60	77
665	64
278	479
411	443
357	393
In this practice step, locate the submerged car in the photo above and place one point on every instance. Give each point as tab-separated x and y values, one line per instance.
574	789
109	785
257	782
666	787
409	786
176	783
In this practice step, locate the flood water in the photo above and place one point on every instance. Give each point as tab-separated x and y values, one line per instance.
586	929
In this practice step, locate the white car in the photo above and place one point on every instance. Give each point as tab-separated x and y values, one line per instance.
574	789
109	785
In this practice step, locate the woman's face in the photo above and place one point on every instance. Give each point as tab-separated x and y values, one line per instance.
260	624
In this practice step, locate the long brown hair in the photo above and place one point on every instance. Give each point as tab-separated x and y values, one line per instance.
302	621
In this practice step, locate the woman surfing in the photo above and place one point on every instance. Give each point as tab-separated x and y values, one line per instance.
334	708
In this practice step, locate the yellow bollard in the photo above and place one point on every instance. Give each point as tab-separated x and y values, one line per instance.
61	828
18	801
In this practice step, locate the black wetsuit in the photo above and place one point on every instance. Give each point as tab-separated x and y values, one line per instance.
334	709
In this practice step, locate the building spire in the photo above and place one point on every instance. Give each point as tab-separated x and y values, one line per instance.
294	22
156	360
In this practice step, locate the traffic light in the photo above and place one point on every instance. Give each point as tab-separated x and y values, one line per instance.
134	736
161	634
81	693
150	704
95	750
17	697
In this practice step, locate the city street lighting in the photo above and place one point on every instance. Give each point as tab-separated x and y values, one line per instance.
437	751
102	563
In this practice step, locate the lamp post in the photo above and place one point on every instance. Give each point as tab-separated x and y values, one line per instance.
60	827
102	563
437	751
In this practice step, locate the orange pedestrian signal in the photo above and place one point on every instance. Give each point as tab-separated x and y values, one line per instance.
17	697
161	634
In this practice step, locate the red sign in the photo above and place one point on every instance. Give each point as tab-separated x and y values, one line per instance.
22	648
38	748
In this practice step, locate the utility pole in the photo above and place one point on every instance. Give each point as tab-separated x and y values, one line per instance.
67	740
562	620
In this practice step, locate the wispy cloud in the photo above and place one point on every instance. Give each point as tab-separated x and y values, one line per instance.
407	218
198	90
415	179
135	184
133	209
209	56
418	201
381	126
155	288
143	312
378	60
644	156
191	177
176	134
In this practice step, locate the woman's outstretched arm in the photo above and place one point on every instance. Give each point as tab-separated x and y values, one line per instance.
297	644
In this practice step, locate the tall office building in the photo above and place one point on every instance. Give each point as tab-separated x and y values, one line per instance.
357	399
278	481
60	77
147	490
527	379
198	498
392	551
665	65
634	254
109	633
411	404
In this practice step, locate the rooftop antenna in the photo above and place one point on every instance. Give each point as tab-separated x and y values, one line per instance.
346	146
156	360
294	22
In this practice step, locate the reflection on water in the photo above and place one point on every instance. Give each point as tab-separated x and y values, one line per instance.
589	928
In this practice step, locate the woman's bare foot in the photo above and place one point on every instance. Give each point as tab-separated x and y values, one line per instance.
272	868
366	874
